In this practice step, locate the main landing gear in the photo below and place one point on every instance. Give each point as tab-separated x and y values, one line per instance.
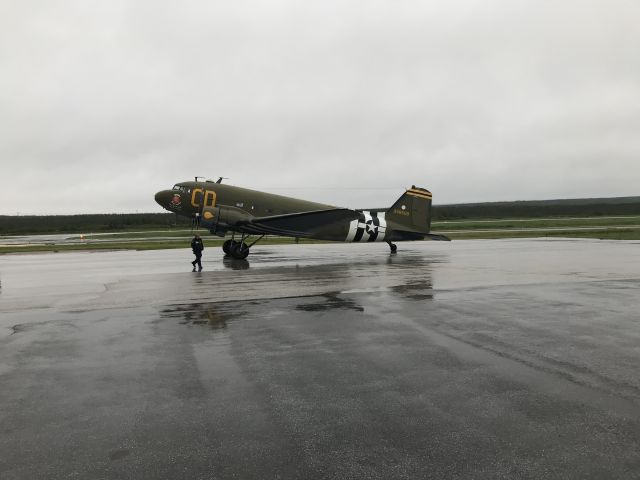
393	247
239	250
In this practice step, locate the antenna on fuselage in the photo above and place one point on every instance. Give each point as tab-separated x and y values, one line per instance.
220	179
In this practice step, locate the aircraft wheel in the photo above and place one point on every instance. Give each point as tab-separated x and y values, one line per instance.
227	245
240	251
394	247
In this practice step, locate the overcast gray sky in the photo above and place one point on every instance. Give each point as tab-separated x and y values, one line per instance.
102	103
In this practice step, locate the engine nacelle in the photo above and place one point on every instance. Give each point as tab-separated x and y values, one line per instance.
219	219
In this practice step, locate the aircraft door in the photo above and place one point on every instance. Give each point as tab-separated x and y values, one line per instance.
209	199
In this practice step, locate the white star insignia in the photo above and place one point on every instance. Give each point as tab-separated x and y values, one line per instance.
371	227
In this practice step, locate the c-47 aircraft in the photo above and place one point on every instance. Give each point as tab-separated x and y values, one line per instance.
223	208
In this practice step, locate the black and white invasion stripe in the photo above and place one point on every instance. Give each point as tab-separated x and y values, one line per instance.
370	227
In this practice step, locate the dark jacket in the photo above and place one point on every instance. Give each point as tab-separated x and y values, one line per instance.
197	246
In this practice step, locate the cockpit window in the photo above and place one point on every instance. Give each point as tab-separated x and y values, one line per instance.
176	187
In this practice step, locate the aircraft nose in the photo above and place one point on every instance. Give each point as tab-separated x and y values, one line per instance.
162	198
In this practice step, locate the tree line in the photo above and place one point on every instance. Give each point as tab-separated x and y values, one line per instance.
589	207
108	222
113	222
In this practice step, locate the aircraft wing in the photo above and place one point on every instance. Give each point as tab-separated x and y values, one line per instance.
302	224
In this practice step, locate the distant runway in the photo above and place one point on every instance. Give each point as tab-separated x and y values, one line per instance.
471	359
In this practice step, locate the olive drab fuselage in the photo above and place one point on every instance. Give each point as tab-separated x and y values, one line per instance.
192	196
222	208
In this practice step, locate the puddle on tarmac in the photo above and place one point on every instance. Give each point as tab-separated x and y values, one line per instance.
330	301
214	315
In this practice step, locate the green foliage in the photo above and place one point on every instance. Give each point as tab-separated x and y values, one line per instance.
23	225
28	224
588	207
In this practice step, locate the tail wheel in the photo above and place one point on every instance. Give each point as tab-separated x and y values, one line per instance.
240	250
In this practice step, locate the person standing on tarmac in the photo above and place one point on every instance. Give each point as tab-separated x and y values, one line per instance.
197	246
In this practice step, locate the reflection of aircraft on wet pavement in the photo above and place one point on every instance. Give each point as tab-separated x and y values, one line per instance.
224	208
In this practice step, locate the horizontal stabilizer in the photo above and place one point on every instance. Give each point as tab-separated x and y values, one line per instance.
439	238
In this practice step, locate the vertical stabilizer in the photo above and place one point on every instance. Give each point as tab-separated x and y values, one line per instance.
412	211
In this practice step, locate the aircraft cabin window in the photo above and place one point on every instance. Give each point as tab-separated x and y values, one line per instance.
239	204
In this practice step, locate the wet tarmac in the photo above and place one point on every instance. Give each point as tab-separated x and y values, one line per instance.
471	359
